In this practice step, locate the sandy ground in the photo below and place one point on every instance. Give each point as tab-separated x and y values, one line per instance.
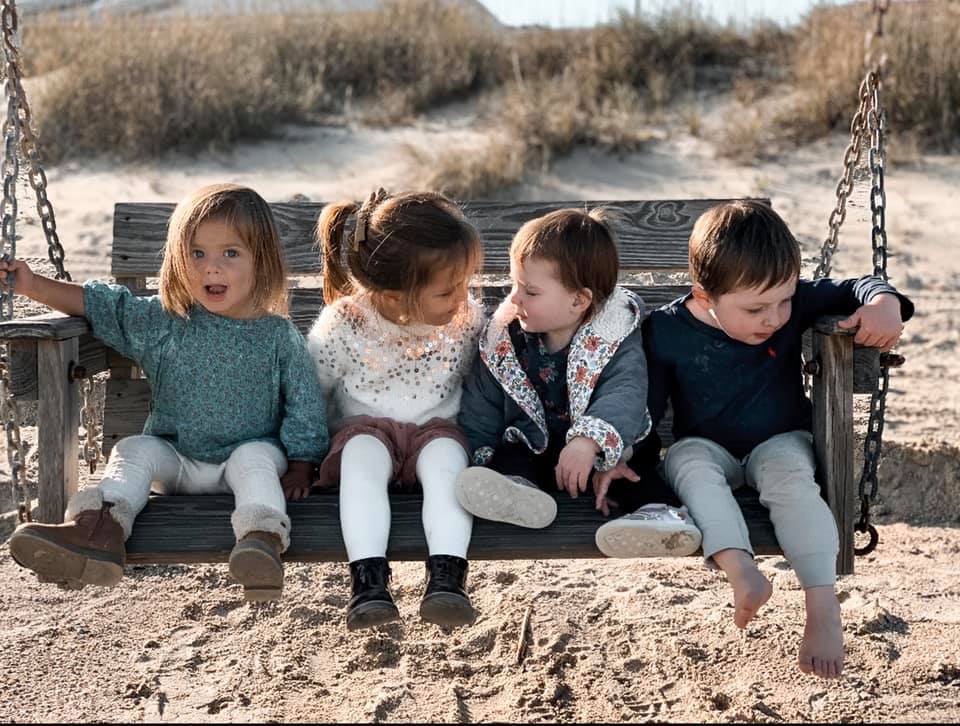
610	640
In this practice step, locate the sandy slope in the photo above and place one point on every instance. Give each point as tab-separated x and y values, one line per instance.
611	641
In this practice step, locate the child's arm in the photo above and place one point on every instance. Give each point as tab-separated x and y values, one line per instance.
481	412
615	418
879	320
658	387
67	297
303	430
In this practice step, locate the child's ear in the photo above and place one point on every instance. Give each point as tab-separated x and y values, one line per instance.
701	297
583	298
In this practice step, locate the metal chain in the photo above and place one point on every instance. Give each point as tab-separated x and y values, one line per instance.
12	128
870	122
91	424
19	139
851	159
873	441
10	415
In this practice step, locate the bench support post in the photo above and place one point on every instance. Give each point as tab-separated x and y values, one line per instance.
833	438
58	418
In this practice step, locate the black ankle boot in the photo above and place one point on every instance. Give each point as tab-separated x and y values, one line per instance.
371	604
445	601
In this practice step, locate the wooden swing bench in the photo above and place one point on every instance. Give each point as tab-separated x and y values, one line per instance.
49	354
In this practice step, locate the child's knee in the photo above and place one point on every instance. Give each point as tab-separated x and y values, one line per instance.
255	456
693	458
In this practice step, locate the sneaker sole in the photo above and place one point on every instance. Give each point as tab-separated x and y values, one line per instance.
647	541
259	572
57	563
447	609
371	614
490	495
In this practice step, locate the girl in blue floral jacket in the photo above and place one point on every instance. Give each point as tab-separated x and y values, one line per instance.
559	390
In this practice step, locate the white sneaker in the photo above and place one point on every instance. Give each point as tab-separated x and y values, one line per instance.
515	500
654	530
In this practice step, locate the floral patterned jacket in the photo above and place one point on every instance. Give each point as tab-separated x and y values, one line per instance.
606	382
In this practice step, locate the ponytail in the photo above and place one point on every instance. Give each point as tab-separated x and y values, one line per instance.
331	229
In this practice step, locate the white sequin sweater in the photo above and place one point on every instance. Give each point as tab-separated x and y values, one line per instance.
370	366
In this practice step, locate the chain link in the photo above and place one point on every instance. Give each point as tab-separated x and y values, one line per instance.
873	442
91	424
19	141
869	122
12	129
10	415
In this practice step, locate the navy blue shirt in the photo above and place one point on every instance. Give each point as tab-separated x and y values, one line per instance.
736	394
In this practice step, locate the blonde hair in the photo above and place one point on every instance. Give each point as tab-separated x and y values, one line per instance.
399	243
249	215
580	244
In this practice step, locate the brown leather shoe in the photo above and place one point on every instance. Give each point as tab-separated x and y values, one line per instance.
87	551
255	563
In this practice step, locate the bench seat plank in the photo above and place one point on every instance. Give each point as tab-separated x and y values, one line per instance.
193	529
652	235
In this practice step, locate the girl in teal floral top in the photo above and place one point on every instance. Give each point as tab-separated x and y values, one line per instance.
235	403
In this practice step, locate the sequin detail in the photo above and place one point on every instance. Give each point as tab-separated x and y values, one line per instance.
370	366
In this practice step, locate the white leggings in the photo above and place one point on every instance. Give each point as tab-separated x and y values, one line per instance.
781	469
141	464
365	472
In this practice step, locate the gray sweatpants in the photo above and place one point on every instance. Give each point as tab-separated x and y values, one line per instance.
781	469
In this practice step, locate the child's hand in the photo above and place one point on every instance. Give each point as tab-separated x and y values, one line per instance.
24	282
879	321
603	479
575	464
297	481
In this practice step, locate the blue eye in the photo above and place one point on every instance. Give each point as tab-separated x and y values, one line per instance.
231	253
196	254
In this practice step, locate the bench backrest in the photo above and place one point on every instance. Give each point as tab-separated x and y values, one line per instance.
652	237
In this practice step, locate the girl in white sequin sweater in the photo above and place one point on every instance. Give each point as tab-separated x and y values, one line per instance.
391	348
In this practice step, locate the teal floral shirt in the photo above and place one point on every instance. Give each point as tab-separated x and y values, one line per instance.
215	382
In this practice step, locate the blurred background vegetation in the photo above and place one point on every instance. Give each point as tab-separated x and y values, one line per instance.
138	87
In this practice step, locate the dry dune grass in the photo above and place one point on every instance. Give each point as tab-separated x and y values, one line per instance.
139	88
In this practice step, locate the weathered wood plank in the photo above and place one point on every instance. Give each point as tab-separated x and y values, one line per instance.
48	326
197	529
23	368
58	417
652	235
833	435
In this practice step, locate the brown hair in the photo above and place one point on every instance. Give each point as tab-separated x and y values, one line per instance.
399	243
581	245
247	213
742	244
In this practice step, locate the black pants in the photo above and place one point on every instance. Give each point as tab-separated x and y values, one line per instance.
518	460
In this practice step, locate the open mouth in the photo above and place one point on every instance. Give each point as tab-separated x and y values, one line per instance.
215	291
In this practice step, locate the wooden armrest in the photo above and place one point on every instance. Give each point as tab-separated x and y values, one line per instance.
50	326
827	324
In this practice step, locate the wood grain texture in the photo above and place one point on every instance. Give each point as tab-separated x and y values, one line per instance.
651	235
197	529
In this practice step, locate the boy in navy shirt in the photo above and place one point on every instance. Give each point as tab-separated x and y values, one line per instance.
727	356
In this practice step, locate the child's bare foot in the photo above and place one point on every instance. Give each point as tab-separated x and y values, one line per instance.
750	588
821	651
